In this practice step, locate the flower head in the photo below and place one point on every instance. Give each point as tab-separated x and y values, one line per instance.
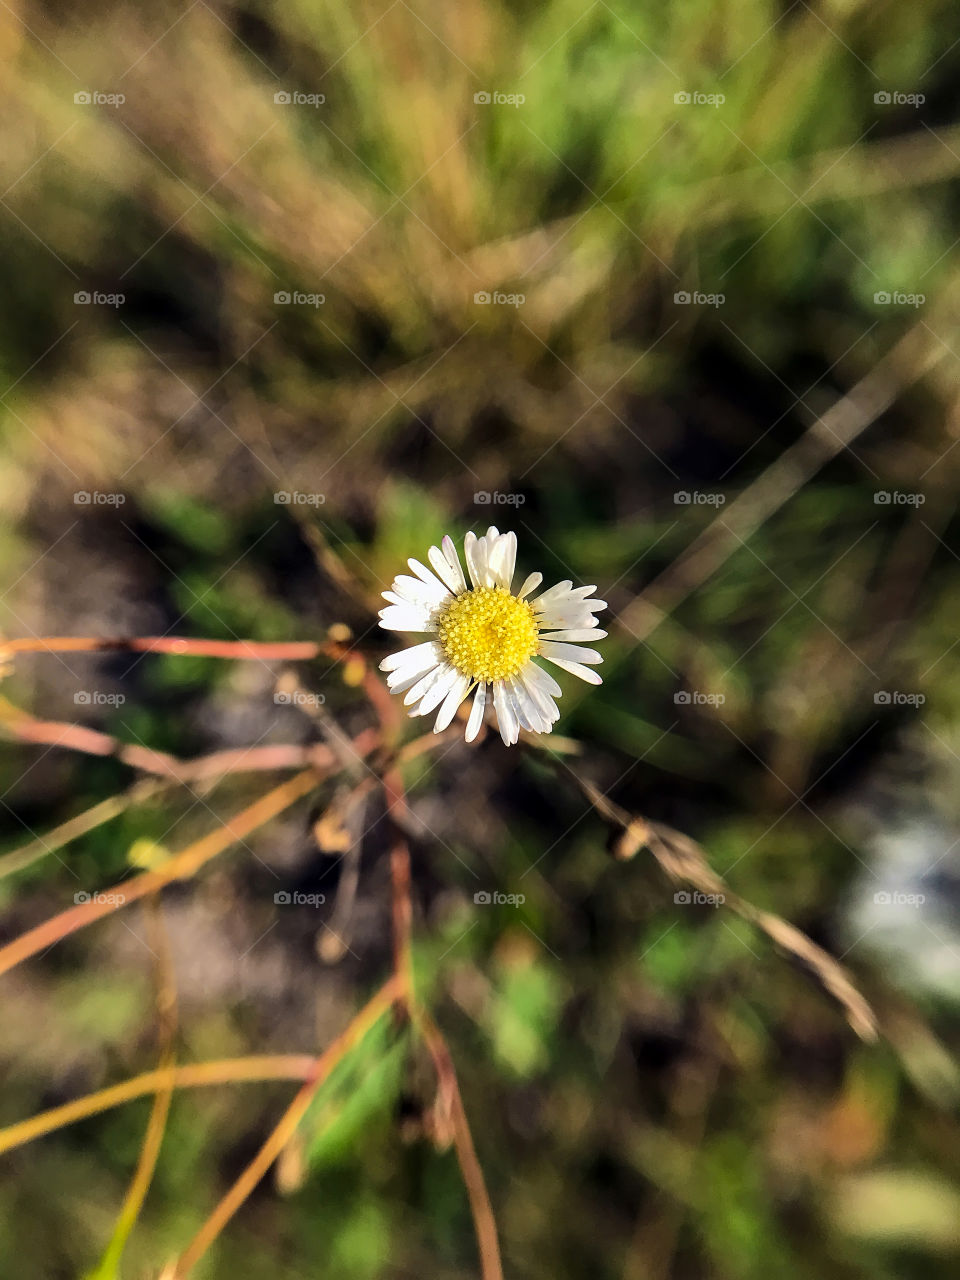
485	636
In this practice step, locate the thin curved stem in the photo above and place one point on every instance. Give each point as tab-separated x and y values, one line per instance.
250	1070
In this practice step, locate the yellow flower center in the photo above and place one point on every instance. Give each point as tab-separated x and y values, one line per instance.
487	633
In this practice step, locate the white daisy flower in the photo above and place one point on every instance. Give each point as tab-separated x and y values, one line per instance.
484	637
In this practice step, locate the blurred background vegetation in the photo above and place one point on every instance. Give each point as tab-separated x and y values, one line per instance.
654	1091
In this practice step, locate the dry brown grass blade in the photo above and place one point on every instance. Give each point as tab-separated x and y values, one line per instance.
19	724
371	1012
167	1020
253	1069
339	832
685	860
79	825
836	429
178	867
400	880
485	1225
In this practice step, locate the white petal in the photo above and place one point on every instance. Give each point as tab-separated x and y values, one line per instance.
408	617
504	560
517	705
470	544
425	684
451	702
511	560
570	652
506	717
420	592
482	560
412	665
429	579
437	691
492	533
400	681
563	614
476	712
539	693
453	560
579	633
536	675
555	593
531	715
411	656
576	669
451	577
501	557
530	583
